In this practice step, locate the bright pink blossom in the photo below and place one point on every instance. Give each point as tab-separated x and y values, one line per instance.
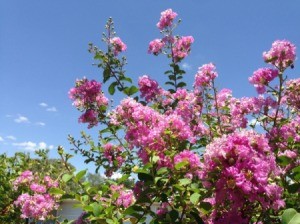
282	54
166	19
188	156
156	46
118	45
148	88
37	206
240	166
292	91
262	77
125	199
205	75
182	47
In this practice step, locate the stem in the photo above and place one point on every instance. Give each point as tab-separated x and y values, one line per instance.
279	98
217	107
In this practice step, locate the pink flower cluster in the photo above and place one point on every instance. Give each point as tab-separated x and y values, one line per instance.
88	97
39	203
262	77
148	88
24	179
166	19
292	91
241	167
163	209
125	197
188	156
118	45
114	156
205	75
182	47
282	54
156	46
37	206
149	130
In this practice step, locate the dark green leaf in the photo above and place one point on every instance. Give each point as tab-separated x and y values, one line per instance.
106	74
112	88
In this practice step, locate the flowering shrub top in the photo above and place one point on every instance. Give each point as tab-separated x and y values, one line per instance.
200	155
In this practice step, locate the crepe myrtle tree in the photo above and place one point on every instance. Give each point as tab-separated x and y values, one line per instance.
200	155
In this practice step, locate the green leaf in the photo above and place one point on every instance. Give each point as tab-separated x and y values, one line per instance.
184	181
181	84
162	170
130	90
173	215
106	74
296	173
180	165
205	207
197	217
290	216
145	177
195	198
97	208
132	209
66	177
56	191
170	83
293	188
80	175
284	160
112	88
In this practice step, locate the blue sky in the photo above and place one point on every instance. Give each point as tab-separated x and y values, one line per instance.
43	49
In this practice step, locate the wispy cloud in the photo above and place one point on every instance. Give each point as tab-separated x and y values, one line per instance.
32	146
43	104
11	137
47	107
1	139
51	109
21	119
186	66
40	124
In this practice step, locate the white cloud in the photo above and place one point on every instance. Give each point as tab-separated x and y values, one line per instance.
21	119
42	145
52	109
40	123
31	146
1	139
116	176
43	104
11	137
51	147
186	66
8	115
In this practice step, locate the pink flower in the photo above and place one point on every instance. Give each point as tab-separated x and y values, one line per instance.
37	206
182	47
205	75
90	117
262	77
188	156
282	54
156	46
118	45
148	87
166	19
125	199
241	167
25	178
38	188
292	91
